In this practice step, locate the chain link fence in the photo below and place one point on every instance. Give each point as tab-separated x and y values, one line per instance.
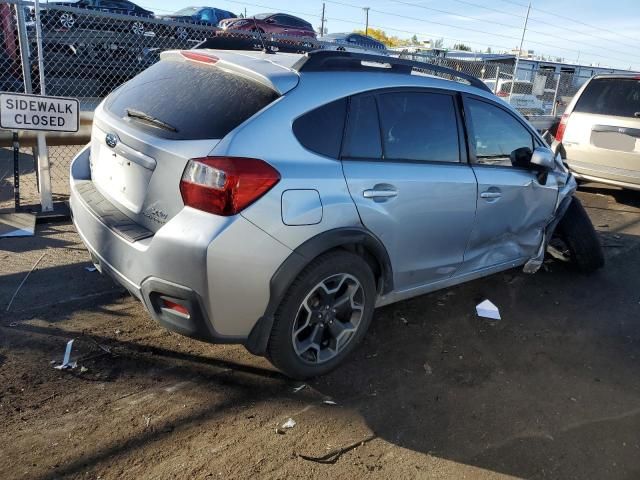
89	53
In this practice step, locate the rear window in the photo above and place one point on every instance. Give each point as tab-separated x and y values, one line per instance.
198	101
611	96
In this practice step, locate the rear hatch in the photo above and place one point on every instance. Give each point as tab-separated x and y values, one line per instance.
603	130
147	130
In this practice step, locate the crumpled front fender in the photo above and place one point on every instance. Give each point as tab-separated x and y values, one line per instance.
567	186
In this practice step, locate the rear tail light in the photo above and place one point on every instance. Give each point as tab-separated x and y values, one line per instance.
562	127
226	185
503	94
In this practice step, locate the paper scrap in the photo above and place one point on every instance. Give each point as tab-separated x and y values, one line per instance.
289	423
67	357
487	309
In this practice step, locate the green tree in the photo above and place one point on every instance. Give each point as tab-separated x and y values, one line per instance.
388	40
462	46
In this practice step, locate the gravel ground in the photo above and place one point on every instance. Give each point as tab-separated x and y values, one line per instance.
551	391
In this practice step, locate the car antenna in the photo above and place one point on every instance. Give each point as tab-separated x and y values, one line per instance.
264	46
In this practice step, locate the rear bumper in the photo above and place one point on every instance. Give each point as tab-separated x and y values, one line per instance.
218	268
609	175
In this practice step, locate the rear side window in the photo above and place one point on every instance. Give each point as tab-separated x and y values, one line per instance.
362	139
419	126
611	96
321	129
199	101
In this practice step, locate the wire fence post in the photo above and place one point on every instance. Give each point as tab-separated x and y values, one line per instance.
555	96
495	87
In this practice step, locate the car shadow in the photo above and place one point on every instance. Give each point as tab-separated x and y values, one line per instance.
549	391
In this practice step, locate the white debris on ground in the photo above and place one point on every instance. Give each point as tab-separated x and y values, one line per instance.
487	309
67	357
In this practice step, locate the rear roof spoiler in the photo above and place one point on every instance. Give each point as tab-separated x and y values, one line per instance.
255	66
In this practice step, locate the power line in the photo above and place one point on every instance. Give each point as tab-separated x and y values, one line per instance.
555	14
544	22
546	34
608	57
307	14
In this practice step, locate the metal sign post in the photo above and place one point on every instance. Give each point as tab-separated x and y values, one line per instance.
44	173
16	171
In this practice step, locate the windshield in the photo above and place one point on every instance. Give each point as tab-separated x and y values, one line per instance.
187	12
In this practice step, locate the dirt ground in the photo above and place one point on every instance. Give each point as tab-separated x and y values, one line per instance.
550	391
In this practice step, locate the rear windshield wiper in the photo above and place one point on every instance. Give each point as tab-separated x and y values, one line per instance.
152	120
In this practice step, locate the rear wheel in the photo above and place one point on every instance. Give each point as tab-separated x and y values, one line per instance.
324	315
577	240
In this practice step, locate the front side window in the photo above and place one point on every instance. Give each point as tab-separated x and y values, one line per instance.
419	126
497	135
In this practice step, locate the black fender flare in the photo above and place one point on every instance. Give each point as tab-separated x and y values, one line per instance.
294	264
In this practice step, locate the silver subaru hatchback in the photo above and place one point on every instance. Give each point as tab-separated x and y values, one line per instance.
274	200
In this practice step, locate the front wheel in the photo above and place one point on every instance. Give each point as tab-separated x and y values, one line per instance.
323	316
577	239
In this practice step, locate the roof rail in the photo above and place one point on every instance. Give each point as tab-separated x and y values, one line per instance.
335	60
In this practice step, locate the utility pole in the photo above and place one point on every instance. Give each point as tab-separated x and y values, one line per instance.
322	21
515	69
366	20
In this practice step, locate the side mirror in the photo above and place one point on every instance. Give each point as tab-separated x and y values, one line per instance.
543	158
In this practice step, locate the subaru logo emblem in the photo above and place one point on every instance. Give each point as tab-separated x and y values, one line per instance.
111	140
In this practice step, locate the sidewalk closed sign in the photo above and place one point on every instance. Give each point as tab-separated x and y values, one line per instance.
37	112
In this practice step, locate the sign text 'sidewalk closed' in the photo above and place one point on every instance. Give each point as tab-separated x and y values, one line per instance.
36	112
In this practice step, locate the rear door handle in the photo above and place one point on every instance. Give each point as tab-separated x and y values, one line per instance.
490	195
380	193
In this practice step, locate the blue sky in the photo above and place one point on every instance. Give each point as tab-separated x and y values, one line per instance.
591	31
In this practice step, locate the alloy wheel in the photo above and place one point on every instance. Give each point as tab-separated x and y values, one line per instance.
137	28
67	20
328	318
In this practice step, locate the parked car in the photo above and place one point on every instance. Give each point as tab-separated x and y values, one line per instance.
207	16
75	15
281	201
354	42
599	133
272	23
522	98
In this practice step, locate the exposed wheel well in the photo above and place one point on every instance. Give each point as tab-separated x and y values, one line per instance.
369	257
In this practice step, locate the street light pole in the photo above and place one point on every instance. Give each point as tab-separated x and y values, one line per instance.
515	69
366	21
322	22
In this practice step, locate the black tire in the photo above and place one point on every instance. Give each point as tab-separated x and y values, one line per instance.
577	232
280	349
